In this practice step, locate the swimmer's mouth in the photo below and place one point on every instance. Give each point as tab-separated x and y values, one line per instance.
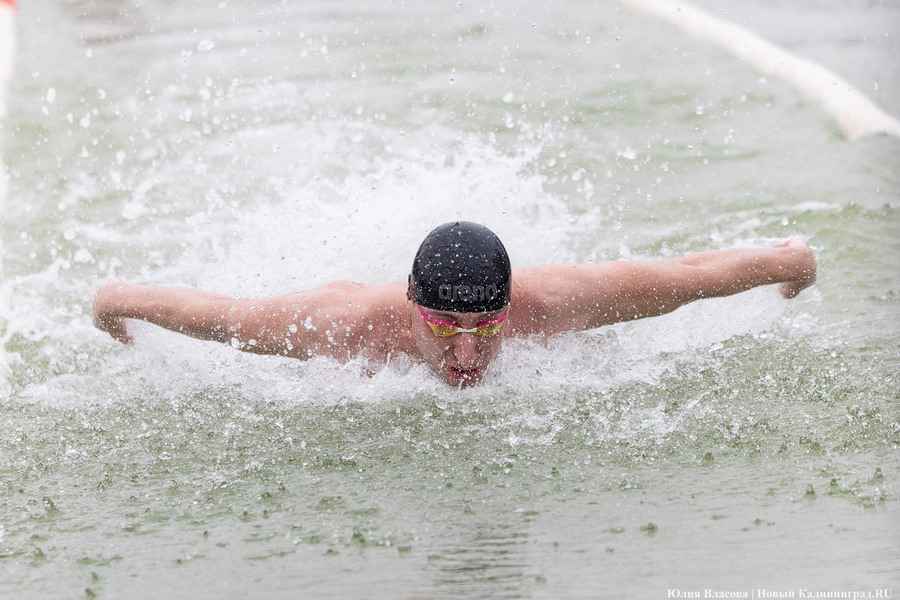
464	374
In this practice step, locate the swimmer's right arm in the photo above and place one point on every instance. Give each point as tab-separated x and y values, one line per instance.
195	313
328	321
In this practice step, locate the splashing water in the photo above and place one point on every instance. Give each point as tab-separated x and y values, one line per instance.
736	444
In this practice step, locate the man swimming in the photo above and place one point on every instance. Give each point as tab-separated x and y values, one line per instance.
461	300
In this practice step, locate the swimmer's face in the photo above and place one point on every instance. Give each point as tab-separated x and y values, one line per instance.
459	359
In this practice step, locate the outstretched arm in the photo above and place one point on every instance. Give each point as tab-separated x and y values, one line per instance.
577	297
187	311
331	321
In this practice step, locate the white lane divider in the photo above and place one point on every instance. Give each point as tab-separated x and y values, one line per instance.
7	60
855	114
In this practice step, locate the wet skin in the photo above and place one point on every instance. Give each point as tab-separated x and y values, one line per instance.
382	320
461	359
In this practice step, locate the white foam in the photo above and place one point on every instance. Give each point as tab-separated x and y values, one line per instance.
365	225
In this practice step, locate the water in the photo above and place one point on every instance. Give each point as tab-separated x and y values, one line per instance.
254	149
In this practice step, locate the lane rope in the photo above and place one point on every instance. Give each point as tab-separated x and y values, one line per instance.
7	60
855	114
7	48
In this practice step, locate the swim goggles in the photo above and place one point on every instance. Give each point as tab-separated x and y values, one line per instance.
447	329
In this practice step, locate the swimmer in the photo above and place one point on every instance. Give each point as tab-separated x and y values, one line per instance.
461	300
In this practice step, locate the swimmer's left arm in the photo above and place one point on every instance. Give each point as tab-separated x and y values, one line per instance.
578	297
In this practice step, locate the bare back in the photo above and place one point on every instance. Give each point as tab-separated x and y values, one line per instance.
341	320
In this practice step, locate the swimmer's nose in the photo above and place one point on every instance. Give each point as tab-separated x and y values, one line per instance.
466	350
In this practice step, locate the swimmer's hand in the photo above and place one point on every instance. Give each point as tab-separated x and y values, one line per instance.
105	312
801	262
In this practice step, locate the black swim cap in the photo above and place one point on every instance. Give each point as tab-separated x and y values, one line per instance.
461	267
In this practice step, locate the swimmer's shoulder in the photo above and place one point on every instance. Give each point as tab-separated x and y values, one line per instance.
374	315
529	306
353	293
547	299
364	296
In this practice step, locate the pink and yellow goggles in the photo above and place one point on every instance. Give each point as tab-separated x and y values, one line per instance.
448	329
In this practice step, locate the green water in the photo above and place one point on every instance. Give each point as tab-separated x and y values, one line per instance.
739	444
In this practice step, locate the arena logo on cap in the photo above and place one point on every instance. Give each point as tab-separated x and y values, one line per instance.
465	293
